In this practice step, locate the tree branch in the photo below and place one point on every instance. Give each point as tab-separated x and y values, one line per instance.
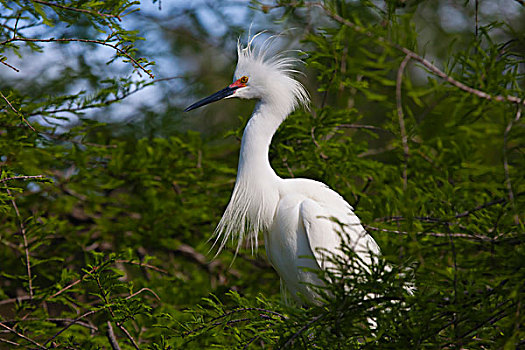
22	336
90	41
408	52
70	324
112	338
433	234
16	112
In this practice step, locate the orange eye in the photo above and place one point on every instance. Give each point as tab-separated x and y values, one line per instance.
244	79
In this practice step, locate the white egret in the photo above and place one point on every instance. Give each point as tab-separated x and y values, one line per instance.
300	218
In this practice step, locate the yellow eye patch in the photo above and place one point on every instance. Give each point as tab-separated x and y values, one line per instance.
244	79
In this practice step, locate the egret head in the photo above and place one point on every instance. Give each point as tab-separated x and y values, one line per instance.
262	74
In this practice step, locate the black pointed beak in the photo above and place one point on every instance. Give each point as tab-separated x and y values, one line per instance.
219	95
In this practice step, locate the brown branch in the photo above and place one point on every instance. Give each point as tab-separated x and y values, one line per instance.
123	329
404	138
26	246
112	338
143	290
360	126
410	53
91	12
22	336
10	66
17	112
56	320
90	41
506	161
433	234
9	342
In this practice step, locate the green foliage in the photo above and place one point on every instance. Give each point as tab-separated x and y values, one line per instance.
104	219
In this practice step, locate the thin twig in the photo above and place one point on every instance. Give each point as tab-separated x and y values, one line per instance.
360	126
404	137
26	246
10	66
506	161
9	342
22	336
433	234
56	320
17	112
123	329
143	290
90	41
251	341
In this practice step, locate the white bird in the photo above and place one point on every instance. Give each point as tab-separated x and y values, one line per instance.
300	218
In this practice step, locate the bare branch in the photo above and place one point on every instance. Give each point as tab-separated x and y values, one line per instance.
404	137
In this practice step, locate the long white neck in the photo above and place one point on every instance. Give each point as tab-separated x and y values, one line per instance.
256	192
254	165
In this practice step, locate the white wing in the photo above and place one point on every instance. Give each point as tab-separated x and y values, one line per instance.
327	217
